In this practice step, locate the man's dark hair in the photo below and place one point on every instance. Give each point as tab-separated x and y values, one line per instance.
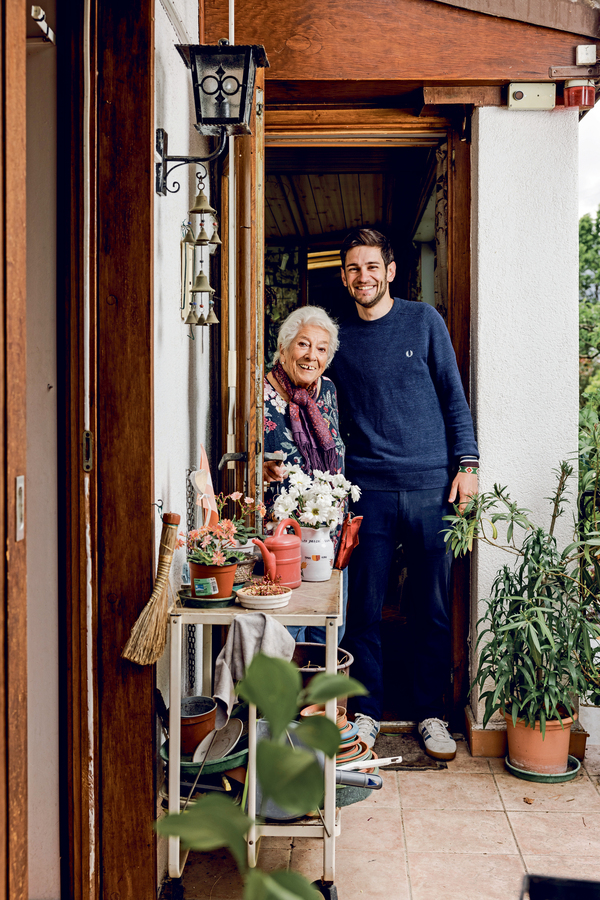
367	237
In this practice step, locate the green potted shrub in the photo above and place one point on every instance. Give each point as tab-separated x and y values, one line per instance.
538	633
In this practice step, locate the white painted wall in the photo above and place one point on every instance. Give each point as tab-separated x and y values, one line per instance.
181	366
41	490
524	309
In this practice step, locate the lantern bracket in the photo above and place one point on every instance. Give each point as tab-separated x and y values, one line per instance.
162	170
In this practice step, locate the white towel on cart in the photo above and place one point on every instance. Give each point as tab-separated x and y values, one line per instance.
248	635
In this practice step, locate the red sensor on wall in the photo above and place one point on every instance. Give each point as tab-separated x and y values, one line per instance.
580	92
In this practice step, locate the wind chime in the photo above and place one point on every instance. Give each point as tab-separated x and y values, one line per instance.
197	314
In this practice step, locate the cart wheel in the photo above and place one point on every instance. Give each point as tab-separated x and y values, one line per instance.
328	890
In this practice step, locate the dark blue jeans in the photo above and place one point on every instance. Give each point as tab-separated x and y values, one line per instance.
414	519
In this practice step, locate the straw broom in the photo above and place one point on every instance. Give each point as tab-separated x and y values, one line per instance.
148	636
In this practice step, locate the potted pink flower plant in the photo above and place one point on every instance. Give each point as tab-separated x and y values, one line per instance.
212	552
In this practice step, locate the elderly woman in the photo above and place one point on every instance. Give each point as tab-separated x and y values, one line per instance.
300	408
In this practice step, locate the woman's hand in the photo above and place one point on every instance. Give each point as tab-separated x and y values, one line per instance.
273	470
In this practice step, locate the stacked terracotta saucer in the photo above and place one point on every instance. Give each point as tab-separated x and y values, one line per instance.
351	748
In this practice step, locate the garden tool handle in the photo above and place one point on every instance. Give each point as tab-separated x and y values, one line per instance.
359	779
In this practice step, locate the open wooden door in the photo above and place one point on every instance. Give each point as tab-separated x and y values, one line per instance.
13	448
242	341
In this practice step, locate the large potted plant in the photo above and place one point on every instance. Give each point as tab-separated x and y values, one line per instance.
538	631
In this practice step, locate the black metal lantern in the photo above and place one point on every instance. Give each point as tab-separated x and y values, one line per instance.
223	78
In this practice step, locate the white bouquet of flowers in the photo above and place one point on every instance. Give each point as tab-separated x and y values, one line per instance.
314	501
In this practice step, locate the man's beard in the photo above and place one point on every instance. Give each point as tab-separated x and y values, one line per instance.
369	304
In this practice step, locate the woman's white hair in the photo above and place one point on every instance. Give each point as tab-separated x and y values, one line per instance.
300	318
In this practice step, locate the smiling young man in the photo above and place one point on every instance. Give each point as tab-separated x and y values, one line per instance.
411	448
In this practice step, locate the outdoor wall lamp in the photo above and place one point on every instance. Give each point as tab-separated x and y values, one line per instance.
223	79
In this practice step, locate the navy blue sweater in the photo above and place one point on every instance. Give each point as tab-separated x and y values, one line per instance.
403	411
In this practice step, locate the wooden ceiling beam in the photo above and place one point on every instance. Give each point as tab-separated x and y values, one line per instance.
408	41
565	15
486	95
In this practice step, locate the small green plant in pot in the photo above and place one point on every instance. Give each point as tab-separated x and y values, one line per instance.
537	633
292	777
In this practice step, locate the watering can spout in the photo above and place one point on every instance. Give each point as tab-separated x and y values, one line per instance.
269	559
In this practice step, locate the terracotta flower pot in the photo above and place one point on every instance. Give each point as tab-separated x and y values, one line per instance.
212	581
527	750
198	715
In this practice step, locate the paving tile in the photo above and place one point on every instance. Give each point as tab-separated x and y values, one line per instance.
363	828
585	867
448	790
215	875
465	876
557	833
387	796
276	842
359	874
211	875
464	762
497	764
578	795
592	759
458	831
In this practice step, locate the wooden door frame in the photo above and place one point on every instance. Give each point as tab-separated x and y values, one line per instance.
248	162
13	449
108	538
340	127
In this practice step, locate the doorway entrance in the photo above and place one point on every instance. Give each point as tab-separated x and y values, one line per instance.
313	195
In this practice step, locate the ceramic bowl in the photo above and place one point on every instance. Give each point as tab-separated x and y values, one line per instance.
275	601
318	709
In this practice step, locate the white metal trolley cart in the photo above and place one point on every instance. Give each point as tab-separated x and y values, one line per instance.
313	603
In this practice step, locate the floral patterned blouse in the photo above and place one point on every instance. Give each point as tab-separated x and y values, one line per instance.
278	434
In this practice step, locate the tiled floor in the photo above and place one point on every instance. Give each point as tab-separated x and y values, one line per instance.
468	832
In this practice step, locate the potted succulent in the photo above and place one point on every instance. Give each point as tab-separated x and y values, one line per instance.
537	634
264	593
214	550
317	503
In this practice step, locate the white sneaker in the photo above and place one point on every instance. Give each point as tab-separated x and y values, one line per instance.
368	729
436	739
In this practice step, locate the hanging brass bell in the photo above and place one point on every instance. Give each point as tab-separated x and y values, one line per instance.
212	316
191	318
189	236
201	319
202	238
215	239
201	205
201	284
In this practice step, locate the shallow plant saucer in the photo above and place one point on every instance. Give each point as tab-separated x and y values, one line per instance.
187	599
573	767
348	733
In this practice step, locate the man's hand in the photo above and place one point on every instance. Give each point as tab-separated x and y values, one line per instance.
463	487
273	471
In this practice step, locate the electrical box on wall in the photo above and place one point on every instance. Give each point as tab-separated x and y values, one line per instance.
531	95
585	55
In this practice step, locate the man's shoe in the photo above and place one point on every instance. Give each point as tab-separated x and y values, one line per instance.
436	739
368	729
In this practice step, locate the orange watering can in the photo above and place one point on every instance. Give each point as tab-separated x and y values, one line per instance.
281	554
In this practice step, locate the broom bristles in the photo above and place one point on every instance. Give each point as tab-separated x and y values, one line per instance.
148	637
